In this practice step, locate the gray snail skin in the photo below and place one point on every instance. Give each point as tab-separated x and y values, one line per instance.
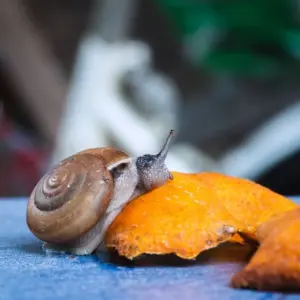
73	204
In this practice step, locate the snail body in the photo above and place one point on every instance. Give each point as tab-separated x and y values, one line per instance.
74	203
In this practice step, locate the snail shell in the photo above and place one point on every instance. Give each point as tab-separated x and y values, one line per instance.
70	199
73	204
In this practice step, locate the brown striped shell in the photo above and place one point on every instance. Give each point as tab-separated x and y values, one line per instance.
70	199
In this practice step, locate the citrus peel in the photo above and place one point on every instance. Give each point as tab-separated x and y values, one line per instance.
193	213
181	217
249	202
276	264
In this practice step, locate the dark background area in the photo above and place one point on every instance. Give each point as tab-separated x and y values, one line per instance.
230	95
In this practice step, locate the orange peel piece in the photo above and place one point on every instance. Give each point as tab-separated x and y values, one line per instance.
276	264
249	202
181	217
192	213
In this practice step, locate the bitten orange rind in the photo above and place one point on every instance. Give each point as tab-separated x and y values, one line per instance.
193	213
276	264
181	217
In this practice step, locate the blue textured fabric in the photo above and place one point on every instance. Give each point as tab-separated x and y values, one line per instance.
27	272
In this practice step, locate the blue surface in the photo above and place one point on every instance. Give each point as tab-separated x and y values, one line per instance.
27	272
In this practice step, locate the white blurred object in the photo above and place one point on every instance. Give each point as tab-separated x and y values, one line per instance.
97	114
154	96
271	143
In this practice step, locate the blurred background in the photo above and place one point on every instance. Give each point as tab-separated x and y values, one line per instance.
224	74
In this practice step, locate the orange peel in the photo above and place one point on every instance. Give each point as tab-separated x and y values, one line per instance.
181	217
248	201
276	264
193	213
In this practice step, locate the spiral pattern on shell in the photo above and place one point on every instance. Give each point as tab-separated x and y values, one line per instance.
57	186
70	199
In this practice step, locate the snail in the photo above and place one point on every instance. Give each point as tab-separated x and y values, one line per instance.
73	204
